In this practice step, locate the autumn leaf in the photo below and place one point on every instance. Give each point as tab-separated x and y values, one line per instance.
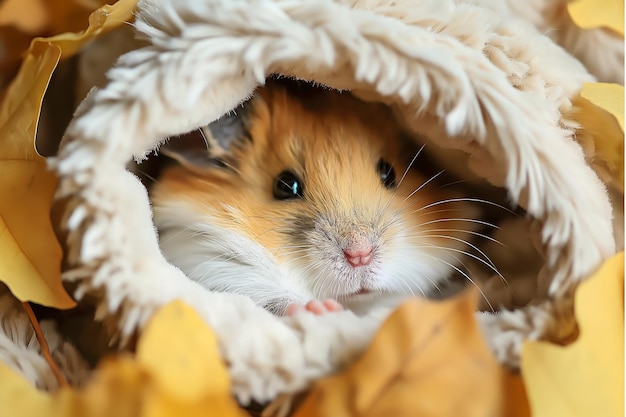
30	264
70	15
515	401
428	359
100	21
22	20
182	355
609	97
585	378
27	16
601	112
177	372
591	14
38	17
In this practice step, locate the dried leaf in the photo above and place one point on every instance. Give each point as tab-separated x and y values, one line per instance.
177	372
585	378
100	21
591	14
30	265
609	97
602	114
70	15
13	43
515	403
29	16
37	17
182	354
428	359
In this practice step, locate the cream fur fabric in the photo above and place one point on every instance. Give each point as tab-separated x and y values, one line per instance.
467	75
600	49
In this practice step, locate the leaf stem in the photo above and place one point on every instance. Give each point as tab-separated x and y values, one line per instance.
43	344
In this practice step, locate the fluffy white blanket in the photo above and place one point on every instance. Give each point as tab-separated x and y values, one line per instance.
471	75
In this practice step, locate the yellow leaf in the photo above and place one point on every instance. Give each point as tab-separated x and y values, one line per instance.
18	397
31	255
100	21
609	97
167	349
601	113
26	15
515	403
181	354
585	378
592	13
71	15
140	387
13	43
428	359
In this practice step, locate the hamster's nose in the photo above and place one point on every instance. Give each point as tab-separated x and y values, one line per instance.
360	256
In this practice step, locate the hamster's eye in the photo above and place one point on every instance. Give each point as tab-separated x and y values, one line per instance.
288	186
387	173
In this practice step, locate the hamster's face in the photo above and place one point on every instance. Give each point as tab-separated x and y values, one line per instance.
324	187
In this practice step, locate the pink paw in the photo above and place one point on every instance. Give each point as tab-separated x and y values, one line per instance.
314	306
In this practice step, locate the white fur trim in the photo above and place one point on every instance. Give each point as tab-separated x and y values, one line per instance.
470	77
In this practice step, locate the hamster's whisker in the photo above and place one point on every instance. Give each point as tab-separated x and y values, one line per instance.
408	204
408	168
272	229
231	167
314	279
318	282
473	200
292	246
227	257
459	219
404	281
232	255
405	207
259	216
466	242
419	226
145	174
279	249
424	184
289	247
294	260
398	217
204	138
466	277
380	191
208	148
471	232
451	183
406	171
487	262
194	233
333	288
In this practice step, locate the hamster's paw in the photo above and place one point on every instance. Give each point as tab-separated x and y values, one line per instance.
315	307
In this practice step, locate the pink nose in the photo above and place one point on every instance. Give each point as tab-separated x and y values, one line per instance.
359	257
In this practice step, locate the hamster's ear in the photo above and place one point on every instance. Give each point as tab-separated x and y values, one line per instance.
211	145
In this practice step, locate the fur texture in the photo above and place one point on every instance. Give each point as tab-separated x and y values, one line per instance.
465	75
224	228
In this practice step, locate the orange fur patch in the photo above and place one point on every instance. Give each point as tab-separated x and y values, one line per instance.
333	143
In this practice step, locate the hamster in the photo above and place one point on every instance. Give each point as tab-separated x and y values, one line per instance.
311	200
